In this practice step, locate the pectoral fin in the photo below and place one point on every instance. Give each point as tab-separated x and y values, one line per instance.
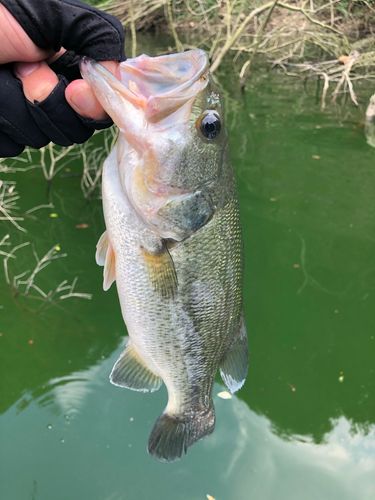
161	271
105	256
131	372
233	367
101	249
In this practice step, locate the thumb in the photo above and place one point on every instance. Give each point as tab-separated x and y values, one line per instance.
38	80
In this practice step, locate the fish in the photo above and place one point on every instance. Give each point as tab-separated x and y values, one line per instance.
173	241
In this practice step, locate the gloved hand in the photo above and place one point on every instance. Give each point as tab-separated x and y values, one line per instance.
45	26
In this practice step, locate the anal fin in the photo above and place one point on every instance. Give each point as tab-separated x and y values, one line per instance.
234	366
161	271
131	372
105	256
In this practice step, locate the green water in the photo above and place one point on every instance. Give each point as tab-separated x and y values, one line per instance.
303	426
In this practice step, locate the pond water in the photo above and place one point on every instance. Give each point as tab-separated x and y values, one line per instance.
303	426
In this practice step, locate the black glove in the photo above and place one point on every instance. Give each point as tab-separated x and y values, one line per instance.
52	24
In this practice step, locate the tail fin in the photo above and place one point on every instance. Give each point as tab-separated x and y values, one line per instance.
173	433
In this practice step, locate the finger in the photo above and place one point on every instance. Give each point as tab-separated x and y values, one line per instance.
38	80
81	97
15	44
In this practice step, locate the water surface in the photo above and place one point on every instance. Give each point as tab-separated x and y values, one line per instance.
303	426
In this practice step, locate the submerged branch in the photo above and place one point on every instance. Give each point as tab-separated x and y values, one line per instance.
332	71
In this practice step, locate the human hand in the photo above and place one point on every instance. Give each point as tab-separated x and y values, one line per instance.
62	22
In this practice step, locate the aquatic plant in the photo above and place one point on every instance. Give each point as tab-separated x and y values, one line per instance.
9	165
54	158
23	284
8	204
93	157
51	159
3	243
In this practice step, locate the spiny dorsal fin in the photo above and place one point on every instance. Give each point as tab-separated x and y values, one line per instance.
161	271
105	256
233	368
131	372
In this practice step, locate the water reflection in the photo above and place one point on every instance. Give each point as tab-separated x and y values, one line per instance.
70	392
103	448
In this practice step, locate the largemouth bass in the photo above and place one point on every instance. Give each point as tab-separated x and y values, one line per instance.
173	239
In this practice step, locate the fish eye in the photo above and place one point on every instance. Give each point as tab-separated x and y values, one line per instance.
209	124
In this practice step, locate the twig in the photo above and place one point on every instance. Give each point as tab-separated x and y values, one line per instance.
11	254
17	283
344	77
132	28
351	90
325	88
50	205
311	19
246	67
204	12
205	16
8	198
179	46
231	41
3	242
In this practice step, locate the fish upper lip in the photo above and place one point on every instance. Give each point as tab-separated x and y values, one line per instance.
115	83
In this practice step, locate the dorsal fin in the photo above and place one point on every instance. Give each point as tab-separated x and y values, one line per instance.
105	256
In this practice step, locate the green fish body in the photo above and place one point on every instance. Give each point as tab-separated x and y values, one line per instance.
173	240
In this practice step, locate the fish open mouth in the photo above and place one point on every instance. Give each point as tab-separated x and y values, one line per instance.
165	83
150	99
156	86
